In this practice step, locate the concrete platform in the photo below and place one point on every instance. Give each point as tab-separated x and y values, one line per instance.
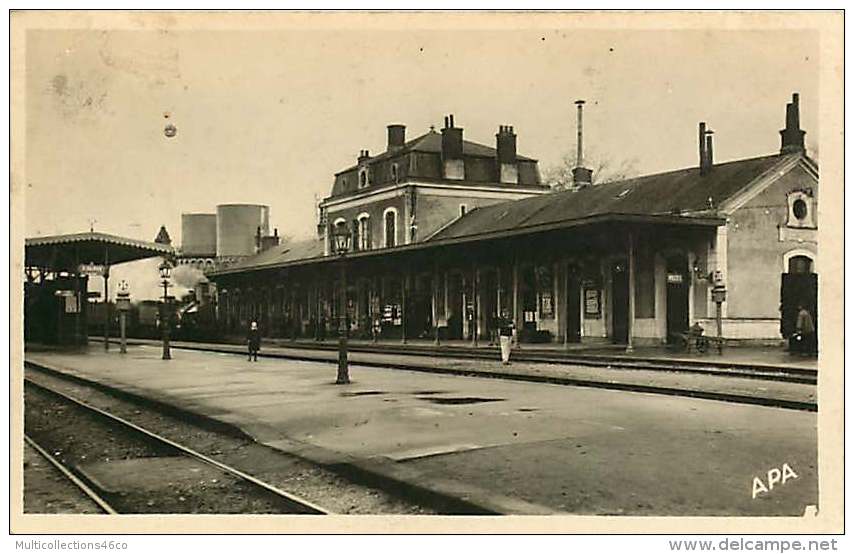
513	447
765	388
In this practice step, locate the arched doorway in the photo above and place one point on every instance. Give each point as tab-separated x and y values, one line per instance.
798	287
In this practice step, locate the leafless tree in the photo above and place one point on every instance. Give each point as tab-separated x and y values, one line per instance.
605	170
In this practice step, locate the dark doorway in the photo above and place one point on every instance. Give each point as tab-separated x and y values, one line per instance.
677	297
455	306
573	306
799	287
419	315
488	298
620	302
528	292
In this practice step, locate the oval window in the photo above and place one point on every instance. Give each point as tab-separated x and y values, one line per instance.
799	209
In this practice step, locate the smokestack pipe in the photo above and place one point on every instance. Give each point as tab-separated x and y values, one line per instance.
579	160
710	158
706	152
581	176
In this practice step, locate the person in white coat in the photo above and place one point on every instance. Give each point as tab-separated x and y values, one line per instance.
505	336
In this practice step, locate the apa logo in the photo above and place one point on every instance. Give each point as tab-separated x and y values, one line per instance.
776	476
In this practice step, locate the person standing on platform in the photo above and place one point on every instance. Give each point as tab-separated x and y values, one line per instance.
254	341
806	329
505	335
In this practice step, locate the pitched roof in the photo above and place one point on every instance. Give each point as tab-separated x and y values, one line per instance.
681	192
281	254
431	141
680	196
66	251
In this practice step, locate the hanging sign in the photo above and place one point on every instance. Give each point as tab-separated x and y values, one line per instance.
92	269
674	278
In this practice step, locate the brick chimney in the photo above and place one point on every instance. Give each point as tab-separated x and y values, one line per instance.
364	156
452	150
396	136
792	137
505	147
505	144
452	140
270	241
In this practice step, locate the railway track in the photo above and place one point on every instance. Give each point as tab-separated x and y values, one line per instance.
120	495
69	475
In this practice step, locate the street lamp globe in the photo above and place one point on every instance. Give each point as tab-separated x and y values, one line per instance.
165	270
341	236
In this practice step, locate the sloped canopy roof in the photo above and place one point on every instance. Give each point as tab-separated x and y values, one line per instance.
680	197
65	252
683	192
279	255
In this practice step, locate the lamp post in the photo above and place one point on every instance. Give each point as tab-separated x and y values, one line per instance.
123	306
719	297
341	236
165	271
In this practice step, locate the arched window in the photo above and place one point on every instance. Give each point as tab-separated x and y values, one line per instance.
357	244
394	174
390	227
363	177
800	261
800	264
363	232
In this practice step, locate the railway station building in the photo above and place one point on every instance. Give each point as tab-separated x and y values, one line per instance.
448	234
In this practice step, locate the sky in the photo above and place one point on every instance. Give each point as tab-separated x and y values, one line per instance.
268	116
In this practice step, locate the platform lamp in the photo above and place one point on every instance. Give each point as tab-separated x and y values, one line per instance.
716	279
123	306
165	272
341	243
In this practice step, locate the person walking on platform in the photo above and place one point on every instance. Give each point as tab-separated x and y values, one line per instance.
254	341
505	335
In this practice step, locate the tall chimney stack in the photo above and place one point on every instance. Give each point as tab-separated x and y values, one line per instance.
581	176
792	137
706	155
396	137
710	156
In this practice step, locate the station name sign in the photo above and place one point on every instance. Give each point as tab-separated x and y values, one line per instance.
91	269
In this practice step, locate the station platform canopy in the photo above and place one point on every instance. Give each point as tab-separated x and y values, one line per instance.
68	252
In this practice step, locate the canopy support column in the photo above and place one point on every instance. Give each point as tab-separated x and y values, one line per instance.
631	319
106	300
